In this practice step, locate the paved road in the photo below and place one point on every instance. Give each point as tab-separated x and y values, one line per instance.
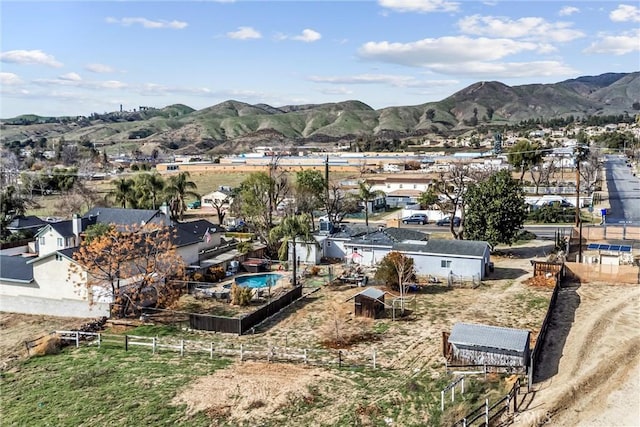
624	191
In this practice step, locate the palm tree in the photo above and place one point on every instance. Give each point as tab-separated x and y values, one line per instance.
366	194
288	230
178	189
122	191
151	186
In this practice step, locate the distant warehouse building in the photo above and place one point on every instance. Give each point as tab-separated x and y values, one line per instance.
491	345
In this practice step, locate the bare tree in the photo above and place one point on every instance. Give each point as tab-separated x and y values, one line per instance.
338	204
590	171
451	185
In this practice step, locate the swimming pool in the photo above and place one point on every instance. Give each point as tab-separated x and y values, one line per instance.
258	280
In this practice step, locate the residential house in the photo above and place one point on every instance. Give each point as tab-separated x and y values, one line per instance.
47	284
220	197
444	258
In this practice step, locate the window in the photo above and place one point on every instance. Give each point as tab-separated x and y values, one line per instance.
445	263
42	240
60	242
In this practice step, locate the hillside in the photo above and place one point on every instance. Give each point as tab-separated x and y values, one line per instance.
234	125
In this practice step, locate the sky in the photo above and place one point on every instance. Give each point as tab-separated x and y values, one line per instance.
79	57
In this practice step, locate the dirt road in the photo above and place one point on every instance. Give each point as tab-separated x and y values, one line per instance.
590	370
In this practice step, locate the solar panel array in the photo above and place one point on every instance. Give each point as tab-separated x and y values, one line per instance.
606	247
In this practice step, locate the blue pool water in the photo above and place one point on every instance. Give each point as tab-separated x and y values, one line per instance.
258	280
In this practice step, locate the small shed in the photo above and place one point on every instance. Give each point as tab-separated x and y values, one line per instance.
369	303
490	345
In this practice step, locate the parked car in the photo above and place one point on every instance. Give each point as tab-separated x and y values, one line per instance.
238	227
194	205
447	220
416	219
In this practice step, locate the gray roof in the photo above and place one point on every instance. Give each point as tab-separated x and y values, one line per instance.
466	248
15	268
402	234
123	216
347	231
189	233
387	237
26	223
473	335
372	293
199	227
65	228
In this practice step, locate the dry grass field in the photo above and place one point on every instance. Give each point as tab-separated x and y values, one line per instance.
404	388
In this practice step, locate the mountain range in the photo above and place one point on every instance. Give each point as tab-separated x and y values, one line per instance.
236	126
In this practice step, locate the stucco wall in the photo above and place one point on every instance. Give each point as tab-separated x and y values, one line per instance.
432	265
57	281
51	307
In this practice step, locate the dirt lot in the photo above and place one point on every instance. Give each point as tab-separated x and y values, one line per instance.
591	372
408	346
16	328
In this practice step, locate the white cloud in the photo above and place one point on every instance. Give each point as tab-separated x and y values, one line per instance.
148	23
74	80
446	50
616	44
99	68
493	70
29	57
421	6
244	33
112	84
308	36
336	91
568	11
73	77
388	79
625	13
9	79
528	28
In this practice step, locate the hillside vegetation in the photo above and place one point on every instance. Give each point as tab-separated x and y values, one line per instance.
233	125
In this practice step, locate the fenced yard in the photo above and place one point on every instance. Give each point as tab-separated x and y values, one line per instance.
241	352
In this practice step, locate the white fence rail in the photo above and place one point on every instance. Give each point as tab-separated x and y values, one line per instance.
242	351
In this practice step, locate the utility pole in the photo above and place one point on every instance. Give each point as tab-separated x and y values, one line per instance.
581	154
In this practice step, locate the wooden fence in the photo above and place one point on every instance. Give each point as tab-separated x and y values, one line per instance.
535	353
585	273
486	414
339	358
243	324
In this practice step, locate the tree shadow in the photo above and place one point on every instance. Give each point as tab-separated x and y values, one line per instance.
521	252
283	314
501	273
433	289
562	317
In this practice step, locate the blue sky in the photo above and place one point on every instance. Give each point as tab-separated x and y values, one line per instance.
79	57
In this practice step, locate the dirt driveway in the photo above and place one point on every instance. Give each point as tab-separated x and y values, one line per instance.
590	371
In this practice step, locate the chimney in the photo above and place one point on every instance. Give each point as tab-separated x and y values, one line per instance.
164	208
76	226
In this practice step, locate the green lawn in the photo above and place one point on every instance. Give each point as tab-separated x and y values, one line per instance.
106	386
101	387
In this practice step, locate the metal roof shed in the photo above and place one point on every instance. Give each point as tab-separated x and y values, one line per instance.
491	345
369	303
